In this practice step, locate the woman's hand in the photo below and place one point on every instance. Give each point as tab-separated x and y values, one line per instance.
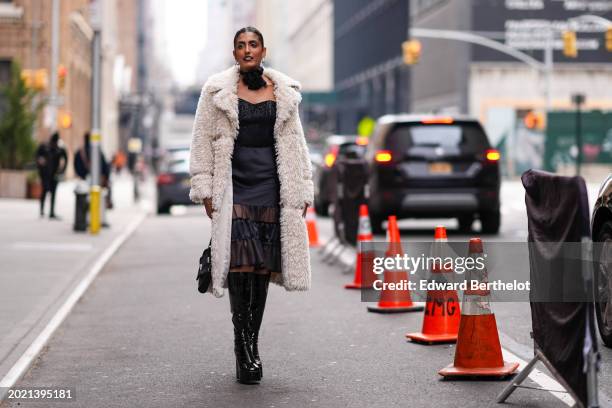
305	210
208	207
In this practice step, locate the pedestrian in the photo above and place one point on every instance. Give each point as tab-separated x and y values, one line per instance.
82	167
51	161
250	168
119	160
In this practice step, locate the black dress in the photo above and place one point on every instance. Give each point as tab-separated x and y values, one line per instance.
255	240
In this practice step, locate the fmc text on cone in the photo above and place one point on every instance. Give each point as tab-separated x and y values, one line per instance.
442	310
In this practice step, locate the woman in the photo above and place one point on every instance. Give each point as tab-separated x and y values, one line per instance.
250	168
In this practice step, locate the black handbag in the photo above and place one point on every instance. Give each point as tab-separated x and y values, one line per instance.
204	271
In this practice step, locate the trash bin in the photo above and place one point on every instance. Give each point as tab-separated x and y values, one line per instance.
81	206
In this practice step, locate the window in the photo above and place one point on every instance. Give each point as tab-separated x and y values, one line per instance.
466	137
5	70
5	78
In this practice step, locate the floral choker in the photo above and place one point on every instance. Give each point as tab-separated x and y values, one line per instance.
253	79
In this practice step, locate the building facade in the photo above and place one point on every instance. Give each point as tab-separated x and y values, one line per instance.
370	78
299	39
25	38
459	77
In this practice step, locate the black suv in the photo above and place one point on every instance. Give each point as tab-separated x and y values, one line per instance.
433	167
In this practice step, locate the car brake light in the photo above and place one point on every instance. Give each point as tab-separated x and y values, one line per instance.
383	156
165	178
330	158
492	155
439	121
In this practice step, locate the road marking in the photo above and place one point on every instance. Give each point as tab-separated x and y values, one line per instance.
24	362
51	246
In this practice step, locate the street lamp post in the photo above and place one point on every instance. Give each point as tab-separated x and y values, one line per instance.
55	43
95	202
548	69
95	195
578	100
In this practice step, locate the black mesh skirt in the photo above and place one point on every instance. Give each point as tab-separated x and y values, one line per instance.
255	242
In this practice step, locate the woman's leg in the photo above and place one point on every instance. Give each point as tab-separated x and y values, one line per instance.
240	286
258	304
43	196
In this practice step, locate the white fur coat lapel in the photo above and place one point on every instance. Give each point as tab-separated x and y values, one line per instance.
225	89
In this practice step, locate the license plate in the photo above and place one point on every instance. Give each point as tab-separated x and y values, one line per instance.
186	183
440	168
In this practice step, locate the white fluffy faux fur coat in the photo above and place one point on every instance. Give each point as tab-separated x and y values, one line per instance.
214	132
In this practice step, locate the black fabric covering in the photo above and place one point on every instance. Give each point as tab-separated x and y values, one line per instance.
558	211
351	177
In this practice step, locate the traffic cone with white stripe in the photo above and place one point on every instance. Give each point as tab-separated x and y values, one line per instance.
442	311
364	265
478	352
397	299
311	225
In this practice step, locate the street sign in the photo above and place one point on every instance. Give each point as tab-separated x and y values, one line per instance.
525	25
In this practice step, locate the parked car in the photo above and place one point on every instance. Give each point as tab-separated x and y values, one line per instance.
173	181
433	167
335	146
602	233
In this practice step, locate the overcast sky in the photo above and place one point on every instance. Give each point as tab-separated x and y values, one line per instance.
182	25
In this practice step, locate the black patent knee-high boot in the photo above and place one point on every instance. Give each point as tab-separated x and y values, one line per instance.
239	285
258	304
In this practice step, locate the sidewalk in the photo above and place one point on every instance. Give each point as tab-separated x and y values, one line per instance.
44	260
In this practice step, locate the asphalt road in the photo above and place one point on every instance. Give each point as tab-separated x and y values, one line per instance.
143	337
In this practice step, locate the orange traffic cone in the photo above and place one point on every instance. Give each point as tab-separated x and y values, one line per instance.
395	300
311	225
442	311
478	352
364	265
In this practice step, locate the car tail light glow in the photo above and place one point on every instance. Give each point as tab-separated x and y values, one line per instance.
330	157
165	178
383	156
492	155
439	121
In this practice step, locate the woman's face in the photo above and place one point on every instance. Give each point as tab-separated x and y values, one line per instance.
248	51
